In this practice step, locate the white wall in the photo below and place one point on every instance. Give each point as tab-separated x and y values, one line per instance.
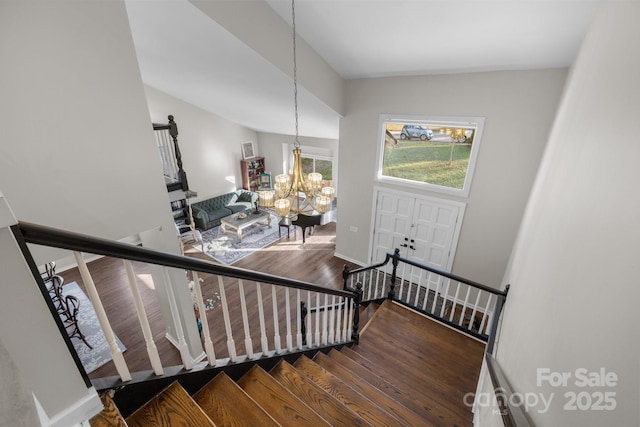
210	145
574	274
519	108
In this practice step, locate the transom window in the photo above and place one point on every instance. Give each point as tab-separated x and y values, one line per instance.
434	153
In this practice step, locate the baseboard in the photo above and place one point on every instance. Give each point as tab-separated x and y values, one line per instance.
359	263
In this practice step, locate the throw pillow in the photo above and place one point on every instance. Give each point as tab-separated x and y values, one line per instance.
244	197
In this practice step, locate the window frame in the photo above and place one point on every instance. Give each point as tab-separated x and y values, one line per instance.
452	121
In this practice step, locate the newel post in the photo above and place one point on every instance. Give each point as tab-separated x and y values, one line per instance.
345	277
173	131
355	335
395	261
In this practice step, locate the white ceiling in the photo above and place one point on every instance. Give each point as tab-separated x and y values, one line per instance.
187	54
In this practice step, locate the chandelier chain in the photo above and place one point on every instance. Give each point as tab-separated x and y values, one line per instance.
295	72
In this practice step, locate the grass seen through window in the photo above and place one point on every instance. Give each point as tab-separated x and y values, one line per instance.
427	162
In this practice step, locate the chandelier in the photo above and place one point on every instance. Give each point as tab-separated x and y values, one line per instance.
294	193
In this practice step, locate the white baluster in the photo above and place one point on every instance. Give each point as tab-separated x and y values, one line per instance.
475	310
92	293
231	345
264	342
427	289
299	316
206	333
350	322
152	350
445	298
248	344
464	306
276	322
487	310
332	331
309	317
455	301
317	339
324	320
345	322
187	360
435	296
374	283
339	320
288	317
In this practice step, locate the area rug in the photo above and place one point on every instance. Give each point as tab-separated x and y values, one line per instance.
225	247
88	323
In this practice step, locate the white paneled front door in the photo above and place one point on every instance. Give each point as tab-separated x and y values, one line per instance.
425	229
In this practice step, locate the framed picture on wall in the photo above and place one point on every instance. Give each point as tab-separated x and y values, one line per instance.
248	150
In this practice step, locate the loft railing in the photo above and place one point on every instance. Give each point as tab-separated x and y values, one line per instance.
170	156
278	301
463	304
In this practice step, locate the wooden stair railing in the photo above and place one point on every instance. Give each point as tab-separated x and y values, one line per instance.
391	379
277	325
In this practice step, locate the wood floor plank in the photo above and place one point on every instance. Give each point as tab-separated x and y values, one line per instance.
274	398
319	400
340	389
414	345
173	407
424	405
229	406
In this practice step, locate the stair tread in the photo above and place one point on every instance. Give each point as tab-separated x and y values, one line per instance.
286	408
395	408
228	405
110	416
313	395
422	404
343	392
172	407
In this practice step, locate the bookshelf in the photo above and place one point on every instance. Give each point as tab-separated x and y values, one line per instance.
251	170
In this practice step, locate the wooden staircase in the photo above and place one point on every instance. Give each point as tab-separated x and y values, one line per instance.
406	371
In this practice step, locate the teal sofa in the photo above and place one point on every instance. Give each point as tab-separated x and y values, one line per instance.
207	213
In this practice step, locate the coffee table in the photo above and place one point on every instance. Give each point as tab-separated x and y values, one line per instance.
235	224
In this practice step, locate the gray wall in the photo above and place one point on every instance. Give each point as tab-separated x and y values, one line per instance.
77	152
574	271
519	108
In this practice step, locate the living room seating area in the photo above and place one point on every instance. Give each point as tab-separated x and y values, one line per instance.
208	213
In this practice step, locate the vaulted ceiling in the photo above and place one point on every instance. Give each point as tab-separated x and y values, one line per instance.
234	57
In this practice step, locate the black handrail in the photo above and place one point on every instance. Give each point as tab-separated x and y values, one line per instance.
49	236
396	255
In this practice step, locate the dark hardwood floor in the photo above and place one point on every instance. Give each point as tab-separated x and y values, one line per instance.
312	262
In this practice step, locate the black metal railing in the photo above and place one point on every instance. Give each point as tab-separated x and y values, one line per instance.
463	304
